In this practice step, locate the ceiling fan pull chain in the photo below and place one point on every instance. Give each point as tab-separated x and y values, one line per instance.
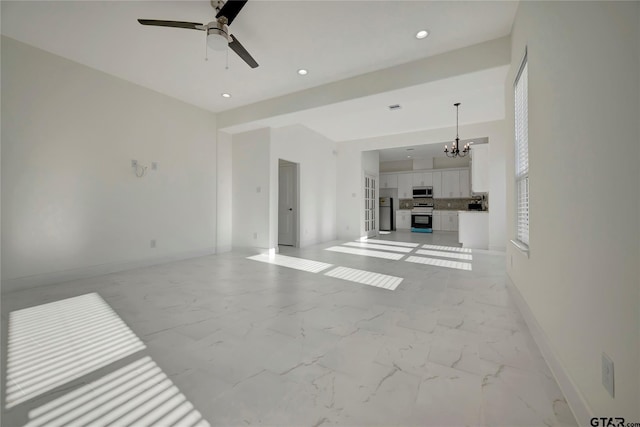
227	66
206	51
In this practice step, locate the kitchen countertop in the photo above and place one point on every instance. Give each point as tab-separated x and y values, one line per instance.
459	210
448	210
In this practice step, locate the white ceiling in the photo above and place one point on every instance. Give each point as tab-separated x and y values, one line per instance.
423	107
332	39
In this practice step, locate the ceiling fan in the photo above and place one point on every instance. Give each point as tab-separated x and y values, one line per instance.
218	36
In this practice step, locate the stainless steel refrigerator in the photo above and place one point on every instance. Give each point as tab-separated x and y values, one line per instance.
386	214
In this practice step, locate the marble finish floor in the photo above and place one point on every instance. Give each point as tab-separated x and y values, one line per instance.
250	342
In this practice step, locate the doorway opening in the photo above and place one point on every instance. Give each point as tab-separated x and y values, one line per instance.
288	203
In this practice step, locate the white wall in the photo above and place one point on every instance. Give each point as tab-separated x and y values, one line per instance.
421	164
396	166
251	198
350	168
316	157
446	162
71	204
224	212
581	279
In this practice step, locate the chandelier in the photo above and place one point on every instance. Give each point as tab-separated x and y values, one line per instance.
455	151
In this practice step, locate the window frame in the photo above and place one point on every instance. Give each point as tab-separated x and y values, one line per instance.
521	172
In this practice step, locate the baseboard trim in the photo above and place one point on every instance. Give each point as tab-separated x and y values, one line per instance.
575	400
52	278
225	248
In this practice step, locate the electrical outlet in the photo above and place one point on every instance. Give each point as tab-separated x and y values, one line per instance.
255	236
607	374
152	243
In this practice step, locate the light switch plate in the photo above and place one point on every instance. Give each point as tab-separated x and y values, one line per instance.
607	374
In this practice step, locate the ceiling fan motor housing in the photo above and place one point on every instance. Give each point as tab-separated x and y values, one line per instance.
218	35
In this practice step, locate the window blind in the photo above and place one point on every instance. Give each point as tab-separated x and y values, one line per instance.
522	154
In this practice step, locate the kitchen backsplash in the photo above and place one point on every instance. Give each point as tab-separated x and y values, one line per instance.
446	204
405	204
452	204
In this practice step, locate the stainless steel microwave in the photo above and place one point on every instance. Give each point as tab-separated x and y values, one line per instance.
421	192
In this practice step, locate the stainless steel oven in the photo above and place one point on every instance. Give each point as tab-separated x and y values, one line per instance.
422	216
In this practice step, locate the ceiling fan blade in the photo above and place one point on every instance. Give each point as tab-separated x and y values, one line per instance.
242	52
175	24
231	9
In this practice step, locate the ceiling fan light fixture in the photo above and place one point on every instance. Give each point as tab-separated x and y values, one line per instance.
217	39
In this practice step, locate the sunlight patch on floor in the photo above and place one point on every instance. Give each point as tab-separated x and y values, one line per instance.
440	262
52	344
445	254
365	277
390	242
292	262
138	394
448	248
377	246
365	252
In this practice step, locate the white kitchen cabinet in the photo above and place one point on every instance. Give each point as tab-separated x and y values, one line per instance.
465	185
405	186
450	184
473	229
449	220
437	221
455	184
403	219
428	179
422	179
389	180
480	168
437	184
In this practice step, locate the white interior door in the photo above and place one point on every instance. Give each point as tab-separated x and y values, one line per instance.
287	204
370	205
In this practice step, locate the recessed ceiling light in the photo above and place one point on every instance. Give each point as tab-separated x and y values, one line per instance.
395	107
422	34
302	72
410	149
409	156
226	95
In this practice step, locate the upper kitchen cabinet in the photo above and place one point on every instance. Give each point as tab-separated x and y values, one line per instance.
465	184
450	184
480	168
455	184
389	180
422	179
437	184
405	186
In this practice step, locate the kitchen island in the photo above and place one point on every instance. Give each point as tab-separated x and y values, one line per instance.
473	229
